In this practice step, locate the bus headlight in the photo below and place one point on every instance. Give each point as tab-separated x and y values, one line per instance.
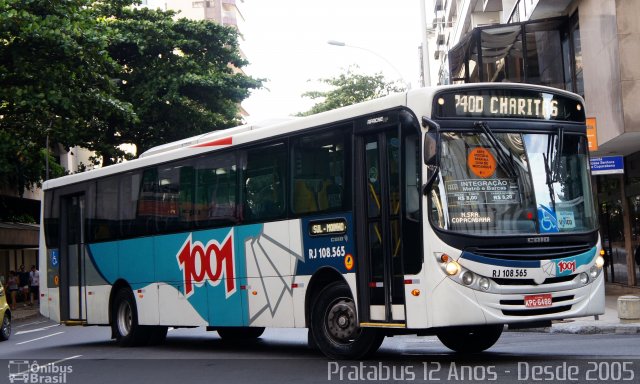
484	283
584	278
467	277
594	271
599	261
452	268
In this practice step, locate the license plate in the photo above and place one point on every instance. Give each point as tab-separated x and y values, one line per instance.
538	301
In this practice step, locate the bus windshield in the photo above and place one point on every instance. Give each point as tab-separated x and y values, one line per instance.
498	183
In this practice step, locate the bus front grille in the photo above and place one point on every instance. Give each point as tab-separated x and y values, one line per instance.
551	280
528	252
535	312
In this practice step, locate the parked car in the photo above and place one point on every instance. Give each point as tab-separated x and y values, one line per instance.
5	315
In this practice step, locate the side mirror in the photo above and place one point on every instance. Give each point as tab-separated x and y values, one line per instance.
431	151
431	142
431	148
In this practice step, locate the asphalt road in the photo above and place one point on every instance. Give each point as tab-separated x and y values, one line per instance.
87	355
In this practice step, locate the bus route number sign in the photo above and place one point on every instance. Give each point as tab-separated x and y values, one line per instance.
328	227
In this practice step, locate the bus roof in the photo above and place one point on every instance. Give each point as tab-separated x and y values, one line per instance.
419	98
231	137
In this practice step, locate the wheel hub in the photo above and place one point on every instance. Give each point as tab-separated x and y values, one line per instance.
341	320
124	318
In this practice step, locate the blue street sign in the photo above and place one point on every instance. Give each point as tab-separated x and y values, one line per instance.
607	165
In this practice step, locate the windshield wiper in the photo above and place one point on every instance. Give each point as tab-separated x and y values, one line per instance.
553	158
552	161
501	156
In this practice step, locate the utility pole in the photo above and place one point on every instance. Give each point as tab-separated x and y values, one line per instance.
426	70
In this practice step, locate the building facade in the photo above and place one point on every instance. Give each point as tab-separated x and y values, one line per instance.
590	47
224	12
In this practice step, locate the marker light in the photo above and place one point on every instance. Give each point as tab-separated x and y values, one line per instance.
415	292
452	268
602	252
445	258
599	261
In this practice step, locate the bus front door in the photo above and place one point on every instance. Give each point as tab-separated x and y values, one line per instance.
72	263
378	214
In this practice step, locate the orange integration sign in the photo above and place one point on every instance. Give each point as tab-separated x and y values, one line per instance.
592	134
348	262
481	162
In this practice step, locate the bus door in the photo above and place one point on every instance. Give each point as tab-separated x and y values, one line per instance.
378	216
72	259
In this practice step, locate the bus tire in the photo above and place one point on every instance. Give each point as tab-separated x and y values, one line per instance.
335	326
125	327
240	333
470	339
311	341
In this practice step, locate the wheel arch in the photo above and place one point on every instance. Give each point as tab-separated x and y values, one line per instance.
320	279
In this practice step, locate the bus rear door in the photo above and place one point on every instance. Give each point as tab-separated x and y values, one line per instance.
72	259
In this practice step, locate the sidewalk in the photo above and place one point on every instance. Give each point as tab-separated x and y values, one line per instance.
25	312
609	323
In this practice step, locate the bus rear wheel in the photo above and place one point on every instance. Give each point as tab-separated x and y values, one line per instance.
335	326
124	324
240	333
470	339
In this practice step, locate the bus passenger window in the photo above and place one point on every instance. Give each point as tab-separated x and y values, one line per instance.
105	225
264	183
318	172
129	193
215	190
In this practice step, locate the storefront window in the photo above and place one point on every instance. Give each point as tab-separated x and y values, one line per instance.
612	228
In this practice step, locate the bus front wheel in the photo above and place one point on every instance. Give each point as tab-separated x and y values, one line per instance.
335	326
124	323
470	339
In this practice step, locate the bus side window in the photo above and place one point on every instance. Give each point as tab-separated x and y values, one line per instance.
146	208
215	190
263	180
105	223
129	192
318	172
174	197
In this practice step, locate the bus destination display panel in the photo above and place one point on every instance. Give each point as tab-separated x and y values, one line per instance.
507	103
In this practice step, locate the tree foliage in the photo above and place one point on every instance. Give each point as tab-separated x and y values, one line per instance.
54	78
99	74
350	87
180	76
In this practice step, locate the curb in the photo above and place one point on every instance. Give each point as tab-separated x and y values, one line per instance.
586	329
592	329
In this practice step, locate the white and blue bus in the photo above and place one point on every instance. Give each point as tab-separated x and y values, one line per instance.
449	211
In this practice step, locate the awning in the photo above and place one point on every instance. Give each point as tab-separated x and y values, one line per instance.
18	235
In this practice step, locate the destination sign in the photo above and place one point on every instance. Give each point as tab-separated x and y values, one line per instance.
508	103
328	227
